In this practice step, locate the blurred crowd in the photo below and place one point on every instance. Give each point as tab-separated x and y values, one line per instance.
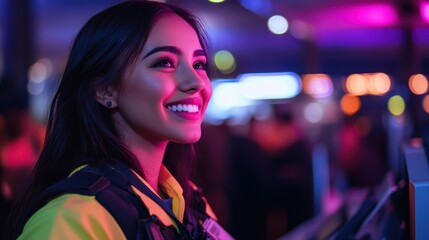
265	170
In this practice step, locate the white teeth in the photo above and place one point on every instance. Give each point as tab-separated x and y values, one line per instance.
184	108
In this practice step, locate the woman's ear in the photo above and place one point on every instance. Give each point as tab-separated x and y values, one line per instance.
107	97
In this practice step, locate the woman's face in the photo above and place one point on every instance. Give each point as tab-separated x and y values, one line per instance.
164	96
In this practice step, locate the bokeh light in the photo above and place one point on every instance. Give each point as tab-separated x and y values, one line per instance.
259	86
313	112
317	85
396	105
278	24
226	100
216	1
356	84
368	83
425	103
225	61
418	84
300	30
226	95
350	104
378	83
37	75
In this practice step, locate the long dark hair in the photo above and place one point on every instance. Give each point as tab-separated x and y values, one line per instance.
81	131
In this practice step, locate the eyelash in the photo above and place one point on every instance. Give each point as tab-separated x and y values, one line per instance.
203	65
162	62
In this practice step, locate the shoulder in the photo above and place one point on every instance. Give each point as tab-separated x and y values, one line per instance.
72	216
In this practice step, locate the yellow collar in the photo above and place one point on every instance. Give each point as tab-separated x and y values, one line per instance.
172	188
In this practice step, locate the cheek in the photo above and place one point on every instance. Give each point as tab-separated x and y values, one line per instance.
208	91
144	89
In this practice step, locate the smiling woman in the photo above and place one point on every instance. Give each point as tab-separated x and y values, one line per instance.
118	146
173	55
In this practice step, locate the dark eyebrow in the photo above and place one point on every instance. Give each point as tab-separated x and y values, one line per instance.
171	49
199	53
174	50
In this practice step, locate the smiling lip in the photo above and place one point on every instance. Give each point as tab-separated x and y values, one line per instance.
189	108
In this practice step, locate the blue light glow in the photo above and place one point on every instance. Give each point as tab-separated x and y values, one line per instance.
260	7
260	86
226	98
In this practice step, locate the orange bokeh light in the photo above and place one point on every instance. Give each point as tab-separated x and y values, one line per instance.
368	83
418	84
378	83
317	85
425	103
350	104
357	84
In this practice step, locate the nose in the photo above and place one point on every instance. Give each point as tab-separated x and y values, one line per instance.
190	80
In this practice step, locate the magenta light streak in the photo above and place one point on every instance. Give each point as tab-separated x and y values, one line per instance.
352	16
424	11
371	15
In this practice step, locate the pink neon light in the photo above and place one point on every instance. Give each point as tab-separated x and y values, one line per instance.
372	15
356	16
424	11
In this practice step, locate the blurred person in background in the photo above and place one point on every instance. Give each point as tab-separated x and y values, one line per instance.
289	170
270	172
246	190
361	152
20	145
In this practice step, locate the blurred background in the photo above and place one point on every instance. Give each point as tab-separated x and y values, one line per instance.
312	101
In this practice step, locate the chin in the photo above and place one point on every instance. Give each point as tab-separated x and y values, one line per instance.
188	139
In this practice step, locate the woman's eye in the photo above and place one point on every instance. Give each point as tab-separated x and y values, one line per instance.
200	66
164	63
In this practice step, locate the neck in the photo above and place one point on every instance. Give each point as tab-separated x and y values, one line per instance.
150	160
148	150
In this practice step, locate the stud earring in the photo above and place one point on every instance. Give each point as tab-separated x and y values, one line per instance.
109	103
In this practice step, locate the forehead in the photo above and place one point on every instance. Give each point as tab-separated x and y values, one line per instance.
169	29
